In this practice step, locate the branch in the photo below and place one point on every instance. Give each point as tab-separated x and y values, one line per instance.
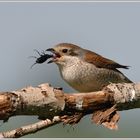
32	128
47	102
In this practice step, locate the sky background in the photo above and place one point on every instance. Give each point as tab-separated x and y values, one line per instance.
110	29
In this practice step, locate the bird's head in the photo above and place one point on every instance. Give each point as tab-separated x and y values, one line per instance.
65	53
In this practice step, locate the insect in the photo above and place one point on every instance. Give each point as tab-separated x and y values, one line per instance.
43	57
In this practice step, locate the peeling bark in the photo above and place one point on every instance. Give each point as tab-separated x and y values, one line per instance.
47	102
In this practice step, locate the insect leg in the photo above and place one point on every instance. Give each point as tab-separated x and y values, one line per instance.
37	51
43	52
32	57
33	65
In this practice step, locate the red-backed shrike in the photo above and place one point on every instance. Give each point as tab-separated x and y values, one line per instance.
85	70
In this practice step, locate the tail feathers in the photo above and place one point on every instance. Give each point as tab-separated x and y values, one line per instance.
125	79
128	80
124	67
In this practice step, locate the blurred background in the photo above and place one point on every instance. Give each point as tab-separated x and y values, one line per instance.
110	29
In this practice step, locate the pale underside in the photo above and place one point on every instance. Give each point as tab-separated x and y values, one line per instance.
86	77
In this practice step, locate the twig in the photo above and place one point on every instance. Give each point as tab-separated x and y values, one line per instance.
32	128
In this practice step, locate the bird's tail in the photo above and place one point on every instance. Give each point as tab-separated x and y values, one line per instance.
128	80
124	67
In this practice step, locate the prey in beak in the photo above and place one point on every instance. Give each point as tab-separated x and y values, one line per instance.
55	55
43	57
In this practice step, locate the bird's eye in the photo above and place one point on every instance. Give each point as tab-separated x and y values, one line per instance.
65	50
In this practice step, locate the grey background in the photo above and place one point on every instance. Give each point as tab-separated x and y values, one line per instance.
110	29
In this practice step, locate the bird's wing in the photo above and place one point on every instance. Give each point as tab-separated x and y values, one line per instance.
102	62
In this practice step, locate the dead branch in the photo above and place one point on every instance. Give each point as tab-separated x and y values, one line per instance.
47	102
32	128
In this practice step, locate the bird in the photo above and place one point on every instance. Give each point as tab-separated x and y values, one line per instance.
85	70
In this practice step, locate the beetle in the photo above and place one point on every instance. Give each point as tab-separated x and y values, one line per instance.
43	57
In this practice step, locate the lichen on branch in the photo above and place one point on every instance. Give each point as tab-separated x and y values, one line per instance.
47	102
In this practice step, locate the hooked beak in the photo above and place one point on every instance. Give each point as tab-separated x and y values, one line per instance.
55	55
50	50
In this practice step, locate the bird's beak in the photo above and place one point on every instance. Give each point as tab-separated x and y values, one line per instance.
55	55
50	50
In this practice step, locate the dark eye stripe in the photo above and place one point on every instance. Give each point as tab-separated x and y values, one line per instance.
65	50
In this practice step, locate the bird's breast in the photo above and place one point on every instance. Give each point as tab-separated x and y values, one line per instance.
81	76
86	77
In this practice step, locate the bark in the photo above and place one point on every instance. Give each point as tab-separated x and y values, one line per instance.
47	102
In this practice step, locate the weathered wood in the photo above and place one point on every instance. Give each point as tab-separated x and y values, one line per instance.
88	101
32	128
44	101
126	96
47	102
